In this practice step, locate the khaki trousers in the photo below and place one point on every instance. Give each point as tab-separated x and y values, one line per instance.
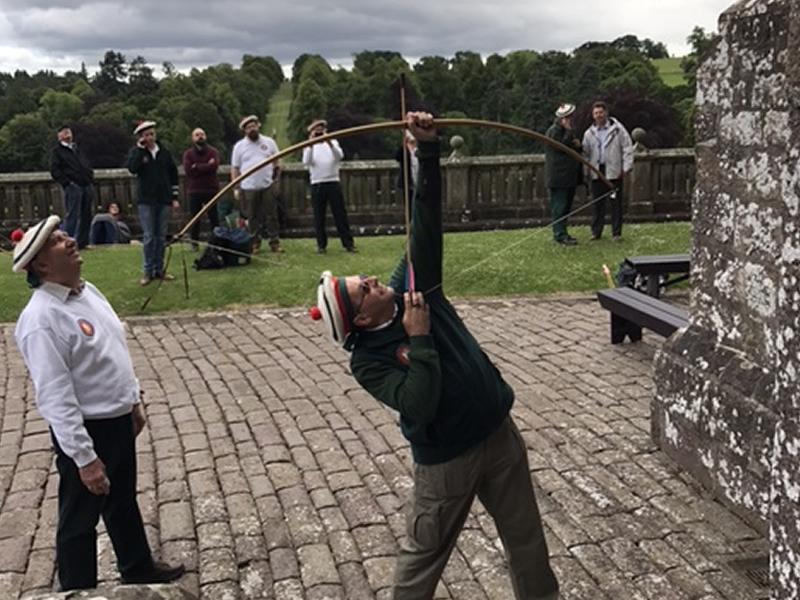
496	470
261	210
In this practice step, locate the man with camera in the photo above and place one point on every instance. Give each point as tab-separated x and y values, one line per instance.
322	161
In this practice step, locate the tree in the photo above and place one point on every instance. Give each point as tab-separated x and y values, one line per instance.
263	68
82	89
24	143
111	78
299	63
118	114
438	84
367	61
701	43
628	43
140	78
17	100
313	67
468	69
654	50
60	108
641	76
309	105
104	145
168	69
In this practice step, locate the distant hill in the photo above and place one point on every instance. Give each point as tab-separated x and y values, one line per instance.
278	118
670	70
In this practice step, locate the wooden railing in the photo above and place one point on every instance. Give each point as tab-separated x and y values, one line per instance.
479	193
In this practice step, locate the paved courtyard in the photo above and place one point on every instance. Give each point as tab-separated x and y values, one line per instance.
271	474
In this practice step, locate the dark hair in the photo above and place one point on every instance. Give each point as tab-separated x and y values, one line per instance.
34	281
108	203
600	104
62	128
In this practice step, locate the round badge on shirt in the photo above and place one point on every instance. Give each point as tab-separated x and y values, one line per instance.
86	327
402	354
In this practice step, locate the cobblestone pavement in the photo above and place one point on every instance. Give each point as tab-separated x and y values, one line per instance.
271	474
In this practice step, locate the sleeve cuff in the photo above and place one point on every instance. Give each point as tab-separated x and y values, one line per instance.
84	456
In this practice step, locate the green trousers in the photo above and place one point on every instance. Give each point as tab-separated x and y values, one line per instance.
560	206
496	470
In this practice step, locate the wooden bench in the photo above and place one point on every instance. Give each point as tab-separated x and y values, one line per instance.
652	268
632	310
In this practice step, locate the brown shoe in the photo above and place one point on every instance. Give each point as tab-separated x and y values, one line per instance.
166	277
277	248
159	572
145	280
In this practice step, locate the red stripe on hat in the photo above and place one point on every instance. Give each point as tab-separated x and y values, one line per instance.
340	305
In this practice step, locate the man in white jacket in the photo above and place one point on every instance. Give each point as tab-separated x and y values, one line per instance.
322	161
607	146
75	349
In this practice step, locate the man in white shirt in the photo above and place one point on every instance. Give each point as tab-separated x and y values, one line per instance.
608	147
322	161
259	203
75	349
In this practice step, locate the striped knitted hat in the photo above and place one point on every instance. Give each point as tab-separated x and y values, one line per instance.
334	308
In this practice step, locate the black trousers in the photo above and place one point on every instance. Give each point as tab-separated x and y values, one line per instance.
79	509
599	208
323	194
196	202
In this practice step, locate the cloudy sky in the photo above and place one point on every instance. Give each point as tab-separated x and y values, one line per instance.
59	34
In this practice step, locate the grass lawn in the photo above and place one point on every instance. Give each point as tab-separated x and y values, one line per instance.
278	117
533	265
670	70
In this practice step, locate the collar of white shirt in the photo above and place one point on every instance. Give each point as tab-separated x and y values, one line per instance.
61	292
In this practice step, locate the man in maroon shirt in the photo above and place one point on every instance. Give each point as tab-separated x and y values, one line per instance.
200	163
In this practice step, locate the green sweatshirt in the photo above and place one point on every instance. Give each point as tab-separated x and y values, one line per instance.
560	169
449	394
156	178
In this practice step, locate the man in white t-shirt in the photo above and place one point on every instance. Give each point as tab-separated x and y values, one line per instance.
75	349
322	161
258	202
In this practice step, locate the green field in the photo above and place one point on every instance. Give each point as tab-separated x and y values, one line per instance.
278	118
491	263
670	71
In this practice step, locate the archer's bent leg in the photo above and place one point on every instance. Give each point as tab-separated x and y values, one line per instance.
437	509
516	514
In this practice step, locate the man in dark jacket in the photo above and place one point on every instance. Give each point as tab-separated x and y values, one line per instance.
200	164
72	171
562	173
156	188
417	357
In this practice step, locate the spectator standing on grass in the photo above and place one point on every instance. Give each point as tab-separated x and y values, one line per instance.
71	169
200	164
322	161
608	147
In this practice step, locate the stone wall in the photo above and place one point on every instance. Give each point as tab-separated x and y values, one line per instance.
480	193
726	401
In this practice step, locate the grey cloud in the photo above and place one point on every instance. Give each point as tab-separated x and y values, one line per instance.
192	33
